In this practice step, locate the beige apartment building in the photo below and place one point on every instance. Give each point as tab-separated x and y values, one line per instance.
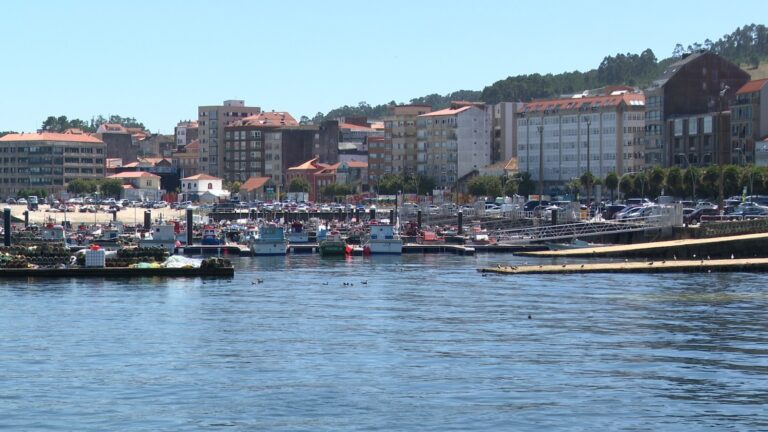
211	121
400	141
48	161
454	142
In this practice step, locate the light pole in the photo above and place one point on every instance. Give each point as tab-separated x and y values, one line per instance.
541	162
693	180
589	173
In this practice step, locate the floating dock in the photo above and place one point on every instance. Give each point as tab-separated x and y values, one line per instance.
721	247
666	266
117	272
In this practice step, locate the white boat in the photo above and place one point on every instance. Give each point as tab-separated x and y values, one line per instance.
162	236
383	240
269	240
297	234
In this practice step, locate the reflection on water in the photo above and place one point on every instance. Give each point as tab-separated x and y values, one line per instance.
394	343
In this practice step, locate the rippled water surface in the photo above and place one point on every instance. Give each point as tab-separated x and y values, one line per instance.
426	344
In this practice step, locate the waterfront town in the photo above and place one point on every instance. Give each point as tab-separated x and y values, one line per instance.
406	216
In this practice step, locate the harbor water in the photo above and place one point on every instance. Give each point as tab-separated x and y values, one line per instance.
416	343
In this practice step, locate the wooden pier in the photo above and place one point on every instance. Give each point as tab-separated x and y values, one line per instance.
664	266
747	245
115	272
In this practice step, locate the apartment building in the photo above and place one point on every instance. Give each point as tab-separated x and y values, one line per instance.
569	136
699	83
211	121
454	142
503	146
48	161
749	121
267	144
400	141
186	159
185	132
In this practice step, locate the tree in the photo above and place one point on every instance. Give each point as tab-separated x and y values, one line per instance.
524	183
298	184
390	184
731	184
111	187
82	186
511	187
488	186
674	182
627	185
655	179
611	182
233	186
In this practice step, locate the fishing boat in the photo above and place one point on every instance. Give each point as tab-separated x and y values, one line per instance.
383	240
211	236
333	245
297	233
269	240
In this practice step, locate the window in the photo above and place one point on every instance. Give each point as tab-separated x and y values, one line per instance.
210	186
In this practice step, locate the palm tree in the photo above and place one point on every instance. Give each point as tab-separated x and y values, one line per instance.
611	182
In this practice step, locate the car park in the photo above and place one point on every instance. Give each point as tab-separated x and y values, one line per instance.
697	214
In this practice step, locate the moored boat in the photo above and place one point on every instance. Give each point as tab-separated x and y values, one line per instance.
270	240
333	245
383	240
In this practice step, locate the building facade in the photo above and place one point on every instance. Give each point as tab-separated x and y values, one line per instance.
400	141
503	141
185	132
699	83
749	121
48	161
454	142
139	185
600	134
186	159
258	148
211	121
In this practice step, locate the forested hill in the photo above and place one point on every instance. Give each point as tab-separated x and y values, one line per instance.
747	46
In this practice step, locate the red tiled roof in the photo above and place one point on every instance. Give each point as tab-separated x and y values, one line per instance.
193	146
134	174
308	165
254	183
274	118
356	128
51	136
753	86
585	102
445	112
201	177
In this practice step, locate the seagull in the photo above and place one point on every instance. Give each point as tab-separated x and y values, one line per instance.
674	257
260	280
325	283
694	255
626	260
708	258
664	262
365	282
582	266
650	263
731	256
563	265
529	316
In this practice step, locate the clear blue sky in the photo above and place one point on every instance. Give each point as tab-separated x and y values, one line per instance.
158	60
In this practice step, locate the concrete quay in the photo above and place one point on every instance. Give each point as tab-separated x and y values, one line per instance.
664	266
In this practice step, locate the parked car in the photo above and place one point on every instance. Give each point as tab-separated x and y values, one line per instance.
611	210
637	202
10	201
748	212
21	201
695	216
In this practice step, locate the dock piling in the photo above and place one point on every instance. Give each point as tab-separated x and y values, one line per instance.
147	219
189	227
7	226
460	216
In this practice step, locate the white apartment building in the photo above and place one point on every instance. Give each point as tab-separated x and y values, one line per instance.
453	142
601	134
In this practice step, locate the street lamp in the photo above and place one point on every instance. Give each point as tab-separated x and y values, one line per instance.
693	180
589	177
541	162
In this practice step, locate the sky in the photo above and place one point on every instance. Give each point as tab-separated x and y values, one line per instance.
158	60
